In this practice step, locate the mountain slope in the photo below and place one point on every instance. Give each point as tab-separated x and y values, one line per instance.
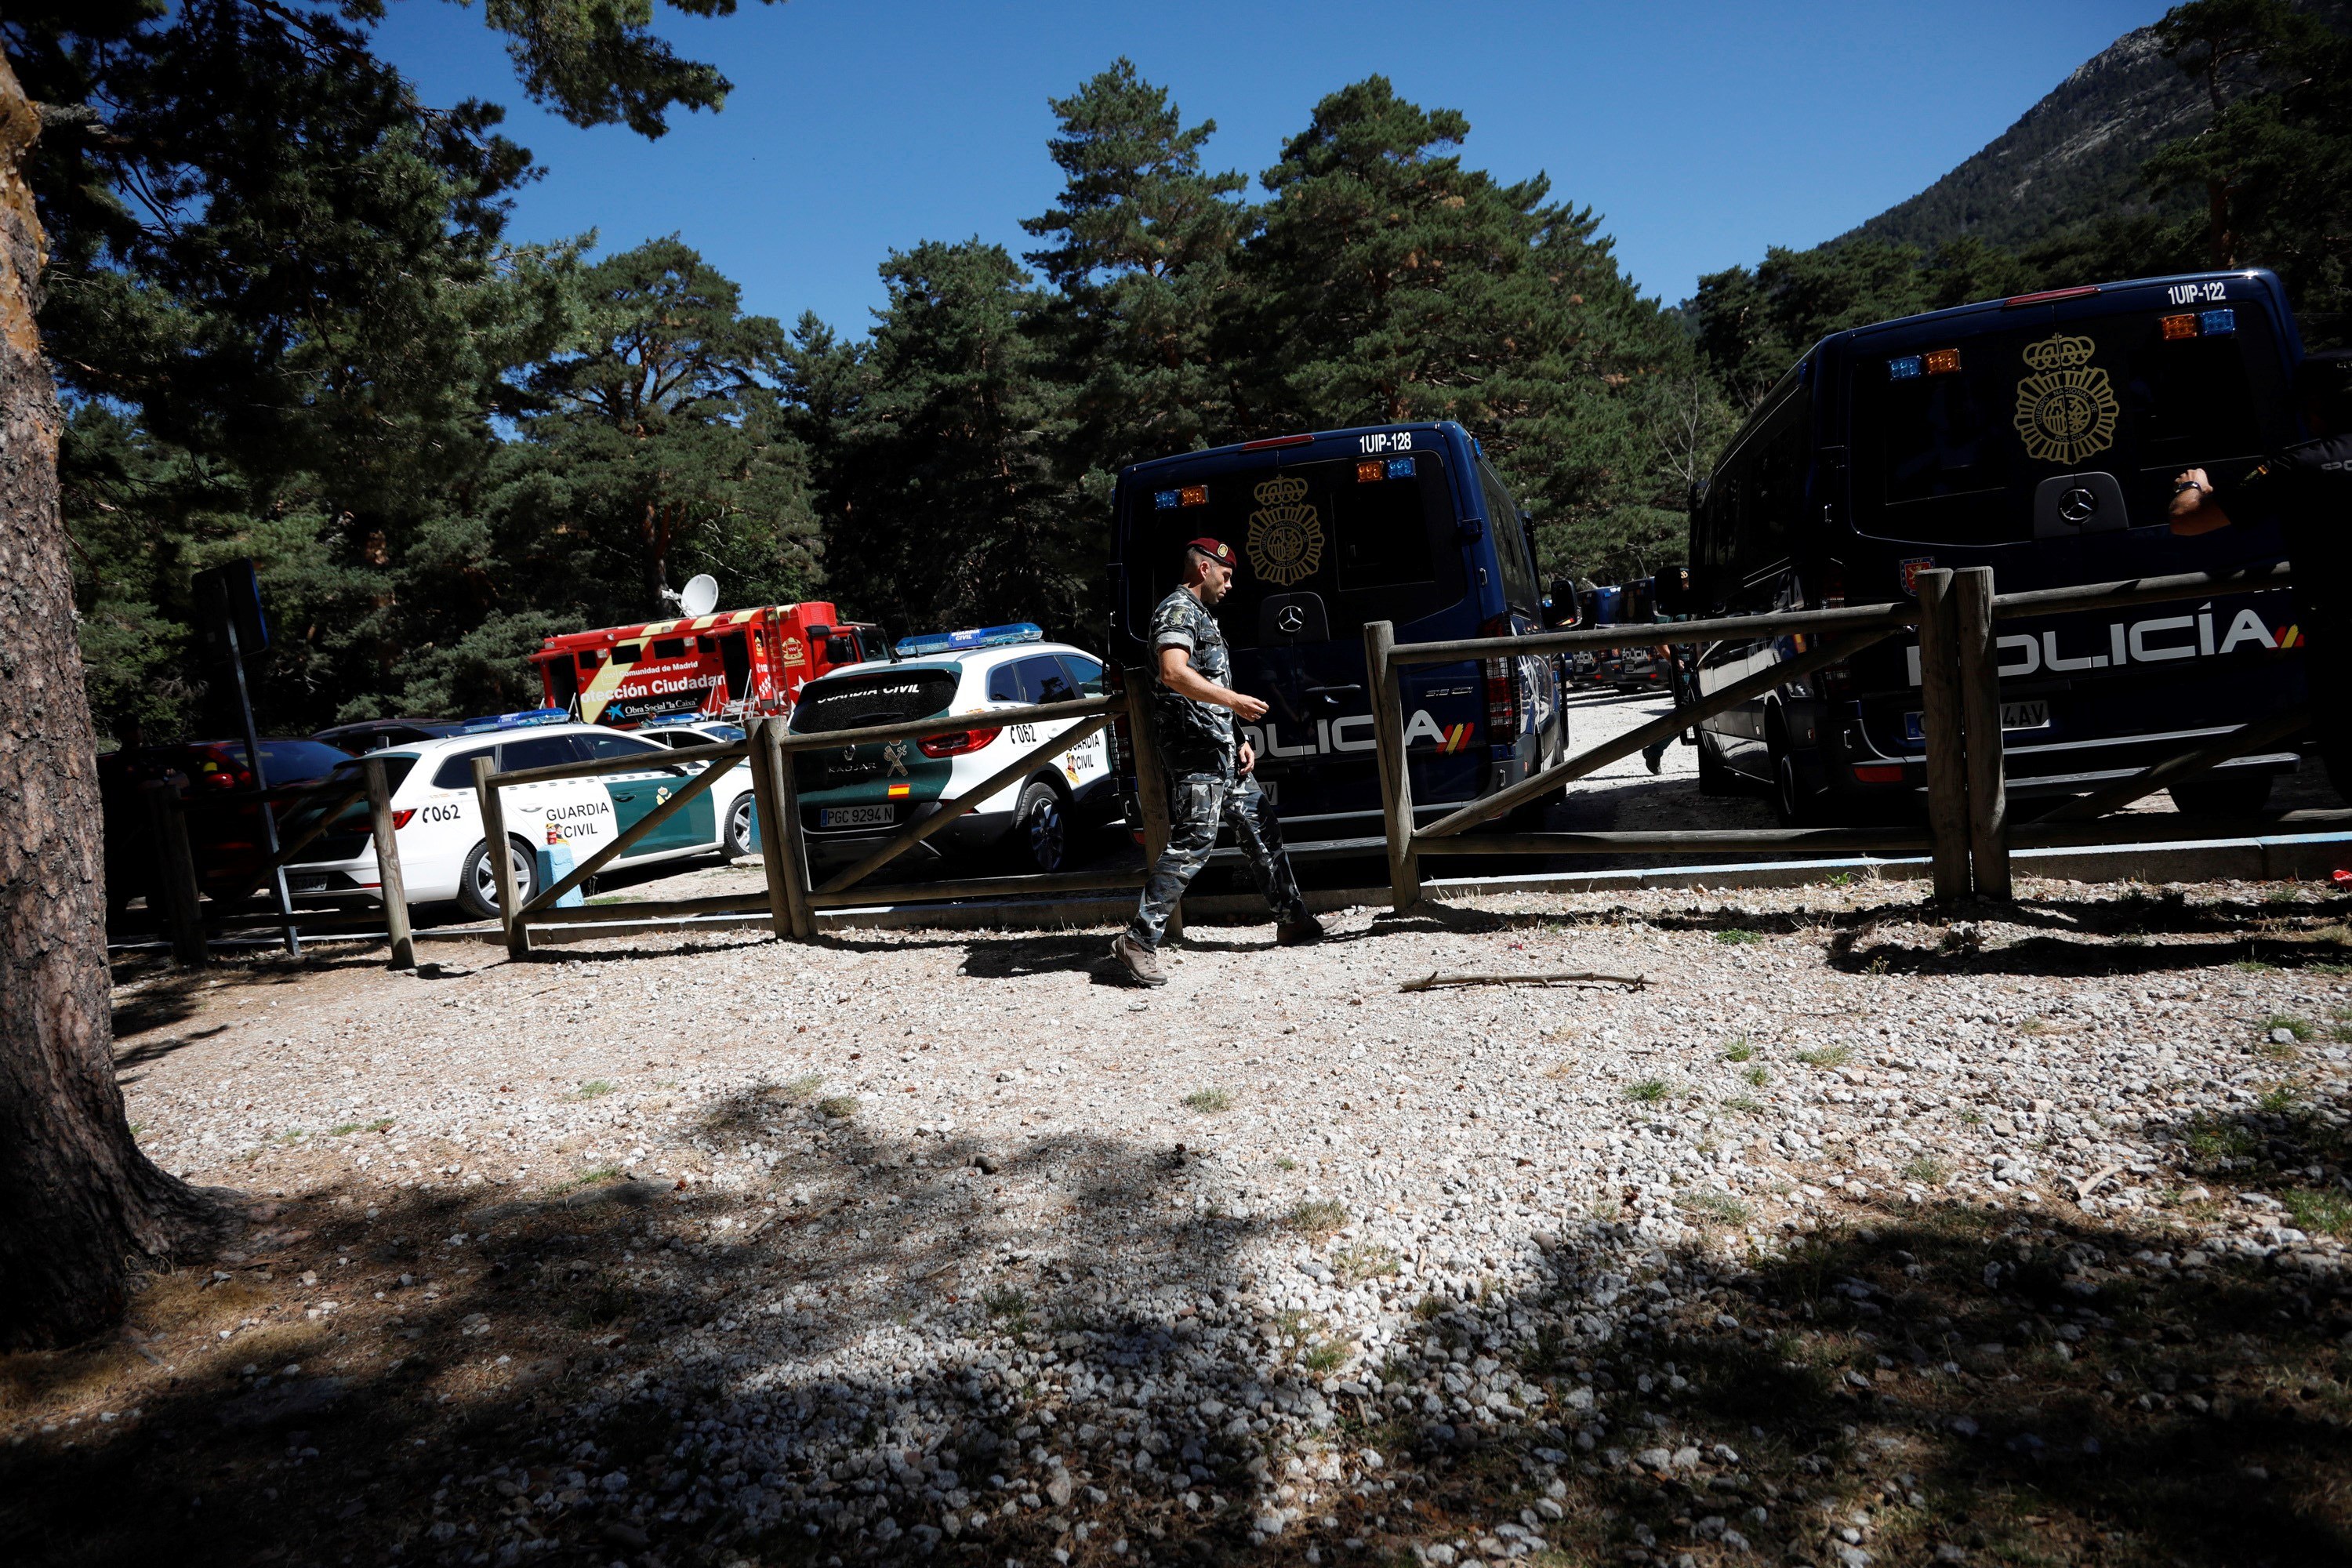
2077	153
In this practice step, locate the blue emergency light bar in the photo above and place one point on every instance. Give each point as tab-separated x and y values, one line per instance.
2214	323
522	718
1909	367
979	636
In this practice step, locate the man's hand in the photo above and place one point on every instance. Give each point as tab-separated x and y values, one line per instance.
2193	510
1177	674
1248	760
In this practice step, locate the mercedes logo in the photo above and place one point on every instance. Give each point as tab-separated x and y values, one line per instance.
2078	505
1292	619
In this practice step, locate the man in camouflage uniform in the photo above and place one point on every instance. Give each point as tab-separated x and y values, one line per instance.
1209	777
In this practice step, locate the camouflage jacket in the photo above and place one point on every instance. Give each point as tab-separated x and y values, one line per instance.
1194	737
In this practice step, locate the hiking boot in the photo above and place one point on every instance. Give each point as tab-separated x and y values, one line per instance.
1141	963
1298	933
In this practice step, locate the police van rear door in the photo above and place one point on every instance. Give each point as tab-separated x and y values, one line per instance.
1331	532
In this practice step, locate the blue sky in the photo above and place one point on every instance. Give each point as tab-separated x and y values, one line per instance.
1702	131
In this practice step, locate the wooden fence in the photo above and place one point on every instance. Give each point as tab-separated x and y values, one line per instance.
176	897
1967	834
792	899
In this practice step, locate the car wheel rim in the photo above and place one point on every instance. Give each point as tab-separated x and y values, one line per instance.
742	822
1045	836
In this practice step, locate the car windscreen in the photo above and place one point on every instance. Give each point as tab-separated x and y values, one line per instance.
1374	537
1949	450
884	697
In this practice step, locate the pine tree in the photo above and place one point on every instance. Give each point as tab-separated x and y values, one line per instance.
1143	253
1393	283
943	505
657	448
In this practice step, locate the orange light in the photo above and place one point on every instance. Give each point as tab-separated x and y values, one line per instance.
1372	472
1194	495
2179	327
898	790
1943	362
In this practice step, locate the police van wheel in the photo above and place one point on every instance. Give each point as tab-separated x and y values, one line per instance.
738	842
1041	828
1794	801
477	887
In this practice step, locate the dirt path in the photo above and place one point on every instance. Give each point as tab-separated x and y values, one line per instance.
1859	1231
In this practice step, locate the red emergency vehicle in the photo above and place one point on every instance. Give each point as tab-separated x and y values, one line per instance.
731	664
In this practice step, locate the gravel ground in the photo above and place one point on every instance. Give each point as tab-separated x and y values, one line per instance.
1858	1233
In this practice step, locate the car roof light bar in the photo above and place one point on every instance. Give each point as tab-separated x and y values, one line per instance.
979	636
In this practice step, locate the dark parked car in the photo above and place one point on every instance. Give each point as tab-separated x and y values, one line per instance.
224	819
373	734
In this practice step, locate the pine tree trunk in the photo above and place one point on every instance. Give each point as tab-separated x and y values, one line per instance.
78	1201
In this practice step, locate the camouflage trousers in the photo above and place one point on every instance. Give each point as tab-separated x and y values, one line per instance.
1197	804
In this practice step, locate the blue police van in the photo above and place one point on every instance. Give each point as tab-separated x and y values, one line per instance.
2039	436
1406	524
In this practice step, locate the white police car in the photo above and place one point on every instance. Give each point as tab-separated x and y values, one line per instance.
853	797
550	826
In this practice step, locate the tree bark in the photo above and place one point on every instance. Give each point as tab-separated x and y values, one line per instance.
78	1203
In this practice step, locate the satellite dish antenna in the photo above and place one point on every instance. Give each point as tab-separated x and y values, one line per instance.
699	597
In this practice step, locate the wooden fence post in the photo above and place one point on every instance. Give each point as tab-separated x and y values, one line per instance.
792	846
387	865
771	833
501	853
175	876
1976	650
1396	776
1151	780
1939	713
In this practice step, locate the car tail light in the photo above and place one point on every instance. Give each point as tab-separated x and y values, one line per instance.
1502	688
400	819
956	743
1835	680
1878	773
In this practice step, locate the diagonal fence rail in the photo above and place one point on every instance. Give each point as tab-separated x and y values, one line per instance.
790	899
1967	833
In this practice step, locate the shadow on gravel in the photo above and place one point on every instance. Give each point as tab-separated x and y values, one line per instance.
661	1374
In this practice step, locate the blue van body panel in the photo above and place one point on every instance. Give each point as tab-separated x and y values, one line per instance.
2096	694
1315	743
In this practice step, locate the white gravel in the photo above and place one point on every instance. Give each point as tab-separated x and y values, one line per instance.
1025	1289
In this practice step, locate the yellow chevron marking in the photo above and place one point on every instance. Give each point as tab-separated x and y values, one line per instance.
599	690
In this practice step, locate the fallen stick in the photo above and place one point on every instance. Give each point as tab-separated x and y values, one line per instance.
1434	979
2084	1189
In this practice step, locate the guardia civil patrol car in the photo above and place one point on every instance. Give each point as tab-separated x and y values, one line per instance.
550	826
853	797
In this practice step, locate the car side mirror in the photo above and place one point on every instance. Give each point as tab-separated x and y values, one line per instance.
1561	607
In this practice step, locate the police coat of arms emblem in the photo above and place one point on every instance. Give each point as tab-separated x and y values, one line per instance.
2066	410
1285	535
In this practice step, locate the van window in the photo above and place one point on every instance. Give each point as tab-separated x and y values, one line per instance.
1510	538
1752	500
669	647
457	772
1372	537
627	652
